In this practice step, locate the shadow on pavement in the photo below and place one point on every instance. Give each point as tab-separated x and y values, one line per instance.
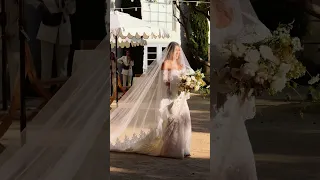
286	146
147	167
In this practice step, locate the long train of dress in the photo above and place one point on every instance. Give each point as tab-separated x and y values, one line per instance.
169	136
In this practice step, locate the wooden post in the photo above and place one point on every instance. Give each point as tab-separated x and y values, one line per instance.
38	86
3	20
23	116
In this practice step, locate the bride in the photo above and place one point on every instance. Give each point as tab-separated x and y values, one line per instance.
153	118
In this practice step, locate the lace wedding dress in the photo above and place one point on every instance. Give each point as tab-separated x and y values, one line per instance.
170	133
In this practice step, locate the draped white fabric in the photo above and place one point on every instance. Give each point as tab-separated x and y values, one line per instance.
233	158
124	25
129	31
127	42
62	134
137	124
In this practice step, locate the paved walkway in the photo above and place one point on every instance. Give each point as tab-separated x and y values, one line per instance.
286	147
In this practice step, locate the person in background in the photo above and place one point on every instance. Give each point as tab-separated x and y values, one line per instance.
127	73
113	71
12	42
54	34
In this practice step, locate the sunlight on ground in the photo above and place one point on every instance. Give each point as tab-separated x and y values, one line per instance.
199	111
200	145
122	170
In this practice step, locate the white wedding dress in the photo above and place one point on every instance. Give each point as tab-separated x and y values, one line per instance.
170	134
232	156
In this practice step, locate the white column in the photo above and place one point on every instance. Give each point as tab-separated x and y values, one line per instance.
145	59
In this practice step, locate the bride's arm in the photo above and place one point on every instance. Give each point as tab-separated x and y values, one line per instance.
166	73
166	76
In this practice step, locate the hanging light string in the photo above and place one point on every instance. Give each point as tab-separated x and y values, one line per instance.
180	1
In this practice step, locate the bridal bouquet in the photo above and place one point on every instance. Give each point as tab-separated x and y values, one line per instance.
267	65
191	82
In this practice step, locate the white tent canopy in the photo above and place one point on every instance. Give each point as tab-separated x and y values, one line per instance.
126	42
129	30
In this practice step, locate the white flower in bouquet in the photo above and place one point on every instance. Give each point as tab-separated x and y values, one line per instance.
259	80
188	79
234	50
278	84
193	78
314	80
241	48
196	88
266	53
296	44
262	74
188	83
283	69
184	77
238	49
252	56
250	68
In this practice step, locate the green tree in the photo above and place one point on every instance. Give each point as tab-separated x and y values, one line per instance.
195	27
199	33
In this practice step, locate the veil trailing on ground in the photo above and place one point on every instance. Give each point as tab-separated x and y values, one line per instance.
137	116
232	21
63	133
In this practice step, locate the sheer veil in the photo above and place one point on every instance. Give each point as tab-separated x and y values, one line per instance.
137	115
63	133
233	157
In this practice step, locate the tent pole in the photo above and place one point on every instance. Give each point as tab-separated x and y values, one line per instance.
117	96
22	37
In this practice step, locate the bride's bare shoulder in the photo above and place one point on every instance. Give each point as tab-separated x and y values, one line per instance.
166	65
